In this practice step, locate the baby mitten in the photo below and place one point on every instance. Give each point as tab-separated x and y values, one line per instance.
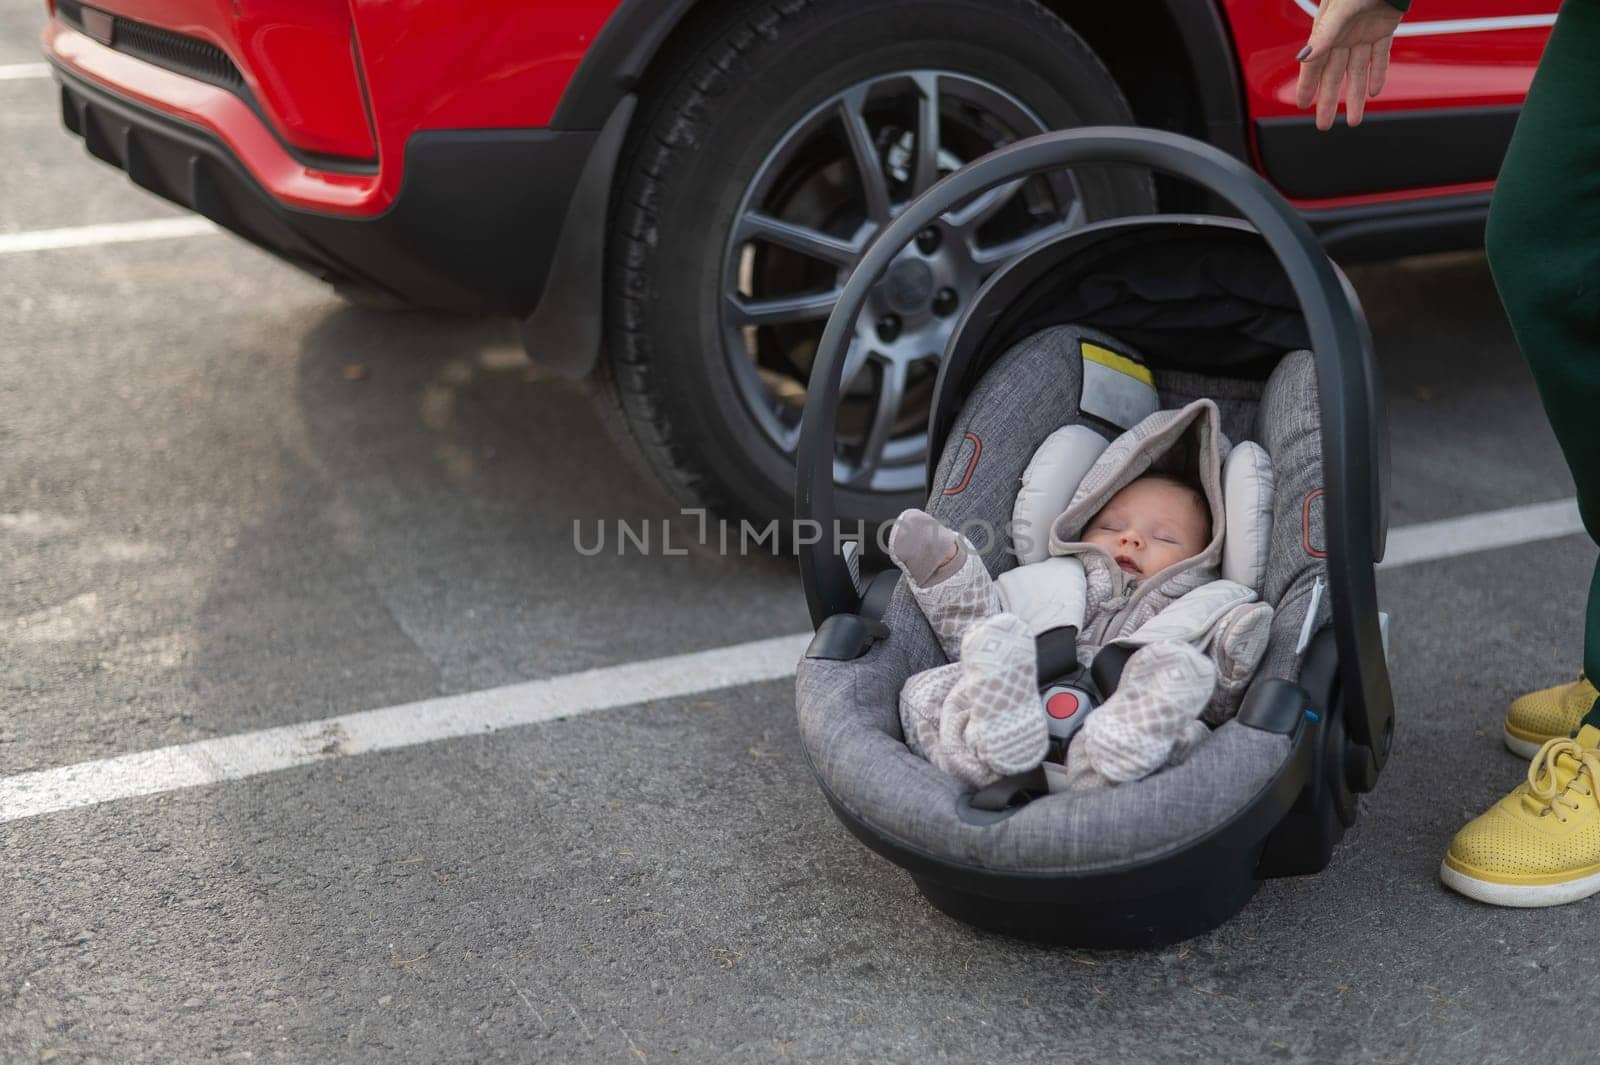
922	699
1238	646
991	725
921	546
1150	722
947	578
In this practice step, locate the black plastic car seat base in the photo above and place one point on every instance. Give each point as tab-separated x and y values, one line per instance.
1174	911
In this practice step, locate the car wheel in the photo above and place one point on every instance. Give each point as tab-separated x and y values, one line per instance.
753	180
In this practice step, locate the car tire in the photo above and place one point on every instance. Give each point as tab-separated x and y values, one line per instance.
706	123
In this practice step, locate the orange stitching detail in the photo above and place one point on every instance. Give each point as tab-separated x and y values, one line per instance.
977	449
1305	526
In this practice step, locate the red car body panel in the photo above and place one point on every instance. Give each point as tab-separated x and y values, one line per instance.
500	63
223	114
372	140
497	64
472	66
295	56
1435	64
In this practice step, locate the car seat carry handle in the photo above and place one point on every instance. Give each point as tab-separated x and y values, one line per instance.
1346	383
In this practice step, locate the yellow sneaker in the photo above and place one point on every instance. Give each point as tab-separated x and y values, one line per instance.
1548	714
1540	845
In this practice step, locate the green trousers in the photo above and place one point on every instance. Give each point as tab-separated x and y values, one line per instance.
1544	252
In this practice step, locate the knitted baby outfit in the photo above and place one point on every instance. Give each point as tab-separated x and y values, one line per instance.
1197	639
979	718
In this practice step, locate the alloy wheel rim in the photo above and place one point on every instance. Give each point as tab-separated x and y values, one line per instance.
830	183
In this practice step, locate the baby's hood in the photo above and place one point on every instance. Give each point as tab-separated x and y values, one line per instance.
1186	443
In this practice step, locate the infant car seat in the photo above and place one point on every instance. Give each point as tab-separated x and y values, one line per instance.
1250	313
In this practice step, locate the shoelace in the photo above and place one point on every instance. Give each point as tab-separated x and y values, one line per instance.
1543	783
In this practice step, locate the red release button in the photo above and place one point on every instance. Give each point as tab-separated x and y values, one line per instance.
1061	705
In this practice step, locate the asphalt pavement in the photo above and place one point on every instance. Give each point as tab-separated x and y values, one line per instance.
229	501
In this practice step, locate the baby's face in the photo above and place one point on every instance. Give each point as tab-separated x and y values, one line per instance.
1150	525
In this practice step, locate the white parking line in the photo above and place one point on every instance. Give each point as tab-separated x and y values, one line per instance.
1467	535
249	754
20	71
475	713
105	233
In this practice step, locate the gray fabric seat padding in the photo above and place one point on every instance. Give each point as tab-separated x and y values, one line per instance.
849	724
848	711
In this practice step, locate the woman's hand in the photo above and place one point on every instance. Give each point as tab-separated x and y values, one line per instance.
1350	38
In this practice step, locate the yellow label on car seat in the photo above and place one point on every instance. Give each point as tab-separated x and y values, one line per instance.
1116	389
1121	363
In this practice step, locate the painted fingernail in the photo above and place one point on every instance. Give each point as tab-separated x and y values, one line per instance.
1301	55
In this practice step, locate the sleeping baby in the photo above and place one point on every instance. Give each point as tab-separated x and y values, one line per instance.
1133	560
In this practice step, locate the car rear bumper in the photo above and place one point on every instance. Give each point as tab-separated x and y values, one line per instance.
472	227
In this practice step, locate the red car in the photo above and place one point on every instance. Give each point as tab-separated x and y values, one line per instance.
670	192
